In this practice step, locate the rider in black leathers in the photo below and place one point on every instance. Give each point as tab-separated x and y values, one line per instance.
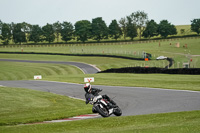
92	92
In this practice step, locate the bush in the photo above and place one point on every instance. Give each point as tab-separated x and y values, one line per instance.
193	71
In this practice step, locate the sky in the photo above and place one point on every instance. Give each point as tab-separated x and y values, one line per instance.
41	12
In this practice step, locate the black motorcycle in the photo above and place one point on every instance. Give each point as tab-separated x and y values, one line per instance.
104	107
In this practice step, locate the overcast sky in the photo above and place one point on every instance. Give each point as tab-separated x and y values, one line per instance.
177	12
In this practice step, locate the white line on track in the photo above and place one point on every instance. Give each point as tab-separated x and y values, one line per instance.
163	89
76	98
57	82
81	117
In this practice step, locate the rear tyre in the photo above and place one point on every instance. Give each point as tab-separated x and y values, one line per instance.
102	111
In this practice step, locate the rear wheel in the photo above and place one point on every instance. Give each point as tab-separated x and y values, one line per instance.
102	111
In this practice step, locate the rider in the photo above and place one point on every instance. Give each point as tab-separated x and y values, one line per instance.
92	92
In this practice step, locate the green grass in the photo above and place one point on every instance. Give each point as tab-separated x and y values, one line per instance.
24	71
180	55
19	106
101	62
115	48
187	29
167	81
181	122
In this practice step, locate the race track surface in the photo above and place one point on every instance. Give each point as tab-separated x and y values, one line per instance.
86	68
132	100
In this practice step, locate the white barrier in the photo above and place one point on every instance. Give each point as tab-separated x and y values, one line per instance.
89	79
37	77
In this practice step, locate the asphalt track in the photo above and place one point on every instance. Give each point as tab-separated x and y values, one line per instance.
86	68
132	100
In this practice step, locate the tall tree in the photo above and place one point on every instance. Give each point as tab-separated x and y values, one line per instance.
18	35
48	33
1	24
151	29
35	33
57	28
131	28
67	31
12	25
195	26
26	29
139	18
114	30
83	30
99	29
123	26
165	28
6	33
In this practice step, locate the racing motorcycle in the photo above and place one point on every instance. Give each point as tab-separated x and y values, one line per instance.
104	107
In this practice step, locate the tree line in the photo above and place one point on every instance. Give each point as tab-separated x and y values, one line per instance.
136	24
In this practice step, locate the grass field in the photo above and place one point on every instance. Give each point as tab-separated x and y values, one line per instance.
167	48
19	106
181	122
101	62
24	71
187	29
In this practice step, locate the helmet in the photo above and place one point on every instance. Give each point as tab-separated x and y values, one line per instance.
87	87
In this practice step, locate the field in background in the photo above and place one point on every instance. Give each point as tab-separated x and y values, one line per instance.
102	63
188	50
186	28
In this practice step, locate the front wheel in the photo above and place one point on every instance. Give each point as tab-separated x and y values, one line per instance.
117	111
102	111
94	110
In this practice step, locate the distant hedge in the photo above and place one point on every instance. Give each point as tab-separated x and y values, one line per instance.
150	70
97	55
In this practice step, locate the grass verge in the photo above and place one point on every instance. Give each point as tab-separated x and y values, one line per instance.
167	81
180	122
18	105
24	71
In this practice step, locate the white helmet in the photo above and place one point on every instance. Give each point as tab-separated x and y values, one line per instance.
87	87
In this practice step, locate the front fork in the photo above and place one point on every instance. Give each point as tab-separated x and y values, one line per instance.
105	106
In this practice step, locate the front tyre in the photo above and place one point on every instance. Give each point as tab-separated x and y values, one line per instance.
102	111
94	110
117	111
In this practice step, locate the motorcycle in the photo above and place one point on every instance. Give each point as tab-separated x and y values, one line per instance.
104	107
